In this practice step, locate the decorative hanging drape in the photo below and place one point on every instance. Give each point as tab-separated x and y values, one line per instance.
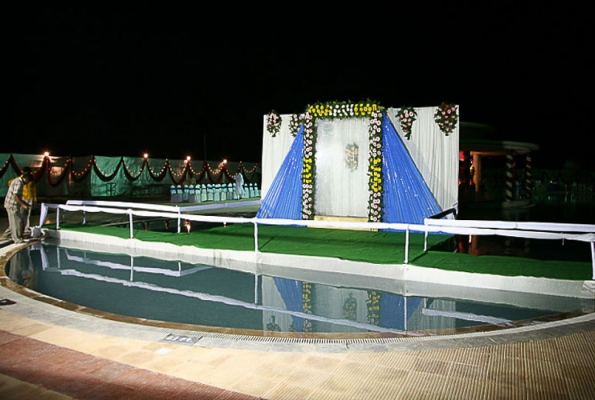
68	169
291	293
283	199
407	198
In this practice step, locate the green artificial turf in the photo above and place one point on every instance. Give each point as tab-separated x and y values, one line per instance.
505	265
372	247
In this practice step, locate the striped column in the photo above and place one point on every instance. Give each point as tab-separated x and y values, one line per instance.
528	178
509	176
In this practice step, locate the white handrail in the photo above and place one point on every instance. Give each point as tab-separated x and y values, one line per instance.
529	226
528	230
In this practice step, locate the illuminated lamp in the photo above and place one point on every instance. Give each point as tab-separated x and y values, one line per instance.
146	155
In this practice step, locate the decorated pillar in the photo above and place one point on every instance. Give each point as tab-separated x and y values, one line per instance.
528	179
476	171
509	176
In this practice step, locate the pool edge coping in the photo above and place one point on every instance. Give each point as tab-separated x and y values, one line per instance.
225	338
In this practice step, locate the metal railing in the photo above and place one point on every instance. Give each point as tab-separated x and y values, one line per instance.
527	230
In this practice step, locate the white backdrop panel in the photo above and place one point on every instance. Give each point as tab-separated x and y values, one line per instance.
435	154
274	150
341	190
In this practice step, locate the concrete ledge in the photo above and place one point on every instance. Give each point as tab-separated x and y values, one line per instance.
284	265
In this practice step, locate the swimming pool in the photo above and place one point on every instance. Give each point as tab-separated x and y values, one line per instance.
317	303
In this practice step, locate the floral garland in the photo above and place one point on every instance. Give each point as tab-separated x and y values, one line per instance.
344	110
352	156
350	308
373	304
407	115
306	308
307	304
376	184
273	123
308	168
294	124
446	117
273	326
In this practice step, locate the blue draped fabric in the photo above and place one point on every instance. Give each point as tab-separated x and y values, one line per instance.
392	310
407	198
284	197
291	293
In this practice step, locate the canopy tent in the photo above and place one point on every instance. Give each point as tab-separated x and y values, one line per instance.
99	176
366	166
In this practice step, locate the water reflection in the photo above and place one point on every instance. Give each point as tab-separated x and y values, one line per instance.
205	295
20	268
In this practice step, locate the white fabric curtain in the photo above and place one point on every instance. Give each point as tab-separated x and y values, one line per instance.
342	187
274	150
435	154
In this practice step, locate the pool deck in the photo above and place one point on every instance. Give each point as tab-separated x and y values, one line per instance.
53	352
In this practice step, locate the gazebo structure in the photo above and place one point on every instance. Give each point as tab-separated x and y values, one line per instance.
509	180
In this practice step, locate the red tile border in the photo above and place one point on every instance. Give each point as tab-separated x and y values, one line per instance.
88	377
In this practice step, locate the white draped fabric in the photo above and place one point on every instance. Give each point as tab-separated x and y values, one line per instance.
342	188
435	154
274	150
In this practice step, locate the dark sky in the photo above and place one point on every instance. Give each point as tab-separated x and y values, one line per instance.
125	80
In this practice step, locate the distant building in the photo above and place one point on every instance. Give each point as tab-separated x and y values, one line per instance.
492	169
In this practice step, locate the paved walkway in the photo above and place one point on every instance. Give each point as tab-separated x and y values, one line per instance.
49	360
53	352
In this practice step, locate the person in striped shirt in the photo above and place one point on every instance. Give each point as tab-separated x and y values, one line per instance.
16	207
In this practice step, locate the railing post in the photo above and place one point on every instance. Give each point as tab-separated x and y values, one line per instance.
255	288
179	219
130	222
255	236
84	217
426	240
593	257
407	245
58	218
43	214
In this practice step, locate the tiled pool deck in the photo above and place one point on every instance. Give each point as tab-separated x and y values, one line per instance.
54	352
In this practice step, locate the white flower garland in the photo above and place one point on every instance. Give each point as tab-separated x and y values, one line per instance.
446	117
342	110
273	123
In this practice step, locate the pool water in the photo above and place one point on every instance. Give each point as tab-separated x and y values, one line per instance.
197	294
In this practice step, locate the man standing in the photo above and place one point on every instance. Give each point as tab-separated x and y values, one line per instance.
16	208
29	197
239	179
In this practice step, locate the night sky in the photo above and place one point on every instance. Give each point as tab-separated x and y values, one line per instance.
124	80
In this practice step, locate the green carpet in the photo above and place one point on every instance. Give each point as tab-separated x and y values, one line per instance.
372	247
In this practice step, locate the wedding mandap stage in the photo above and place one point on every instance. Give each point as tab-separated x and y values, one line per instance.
360	161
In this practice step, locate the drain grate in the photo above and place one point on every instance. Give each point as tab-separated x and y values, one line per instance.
181	339
289	340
